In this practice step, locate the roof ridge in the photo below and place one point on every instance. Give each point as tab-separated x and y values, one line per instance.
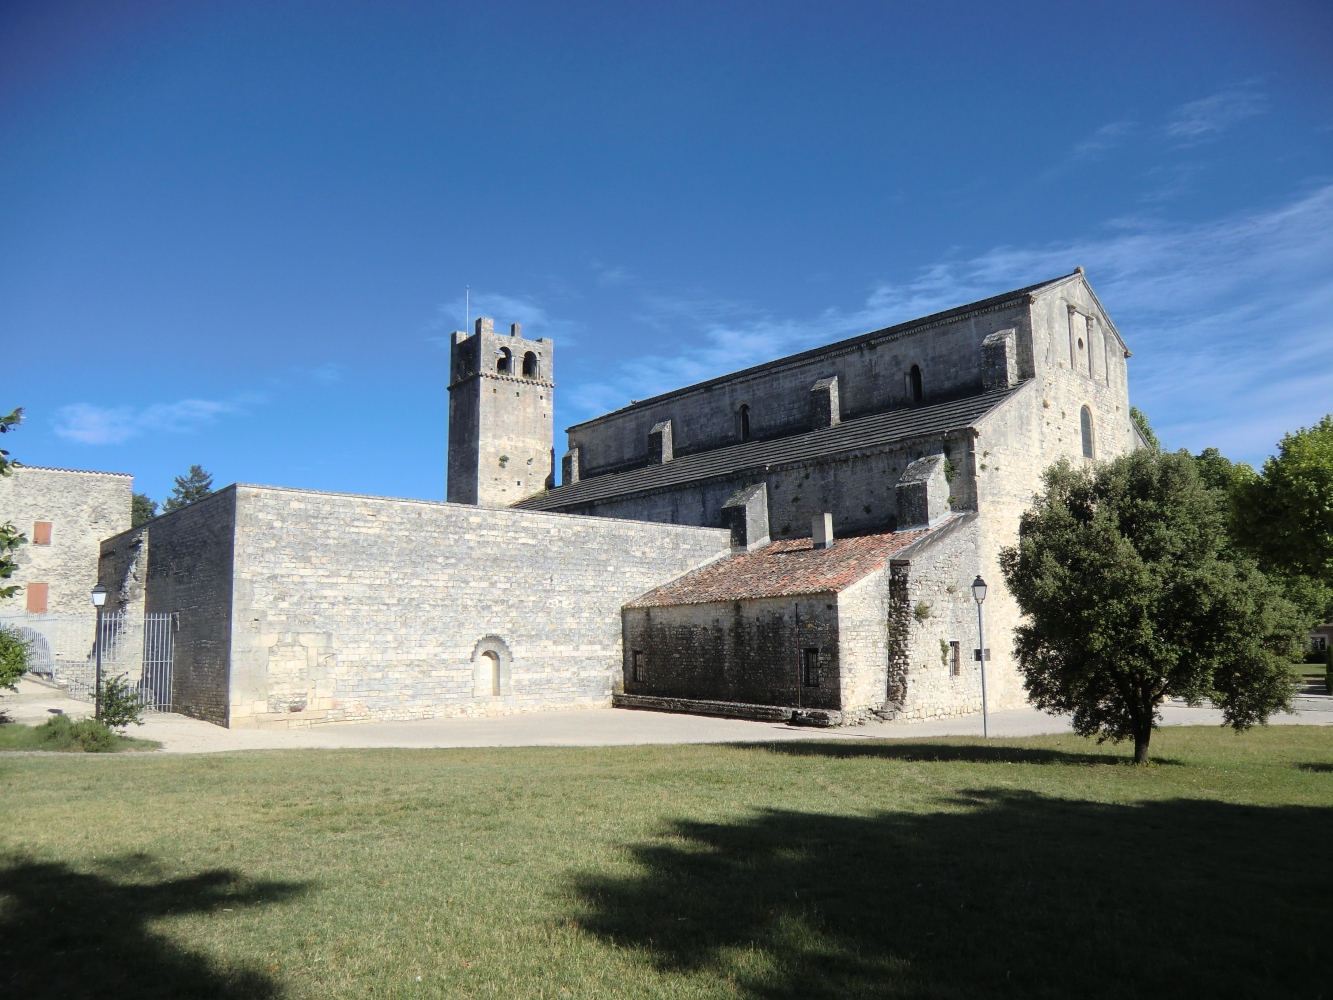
980	305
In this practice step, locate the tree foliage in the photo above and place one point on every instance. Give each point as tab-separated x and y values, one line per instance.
10	537
1141	422
1284	516
1129	597
142	509
120	704
13	656
194	485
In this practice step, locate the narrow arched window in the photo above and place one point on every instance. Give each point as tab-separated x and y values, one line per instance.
915	377
492	663
503	361
529	365
1085	429
745	422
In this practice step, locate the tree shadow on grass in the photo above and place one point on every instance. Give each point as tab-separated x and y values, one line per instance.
1002	894
72	934
1318	768
969	753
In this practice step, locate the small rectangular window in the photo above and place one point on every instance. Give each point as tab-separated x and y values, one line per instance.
41	532
637	672
955	659
37	598
810	667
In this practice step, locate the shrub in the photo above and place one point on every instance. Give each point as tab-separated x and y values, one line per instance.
87	735
121	704
13	656
1328	670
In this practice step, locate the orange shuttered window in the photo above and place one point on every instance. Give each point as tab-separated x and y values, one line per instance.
37	598
41	532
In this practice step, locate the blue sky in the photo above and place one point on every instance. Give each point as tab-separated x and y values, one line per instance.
238	234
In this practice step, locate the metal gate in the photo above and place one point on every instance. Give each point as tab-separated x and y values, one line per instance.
63	648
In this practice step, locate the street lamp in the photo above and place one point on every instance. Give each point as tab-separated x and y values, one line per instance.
979	594
99	599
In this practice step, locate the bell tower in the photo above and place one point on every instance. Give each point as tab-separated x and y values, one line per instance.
501	416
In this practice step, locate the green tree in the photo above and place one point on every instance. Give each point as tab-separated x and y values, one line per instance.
1141	422
1121	573
1284	516
142	509
10	538
194	485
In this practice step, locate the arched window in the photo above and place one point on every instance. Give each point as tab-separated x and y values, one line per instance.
491	670
1085	429
503	361
529	365
915	378
745	421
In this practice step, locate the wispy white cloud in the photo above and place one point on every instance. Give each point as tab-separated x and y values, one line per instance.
327	373
1105	138
1231	321
87	423
1209	116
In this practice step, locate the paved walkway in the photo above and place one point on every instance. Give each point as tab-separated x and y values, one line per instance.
582	727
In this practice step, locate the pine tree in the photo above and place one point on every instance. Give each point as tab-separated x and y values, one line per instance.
142	509
194	485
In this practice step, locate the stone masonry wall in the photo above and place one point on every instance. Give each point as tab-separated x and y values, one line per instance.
83	508
872	378
742	651
359	608
856	487
189	573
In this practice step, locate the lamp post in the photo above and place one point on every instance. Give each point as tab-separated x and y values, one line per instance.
99	599
979	594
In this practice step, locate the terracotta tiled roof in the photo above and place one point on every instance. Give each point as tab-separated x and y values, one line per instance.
784	568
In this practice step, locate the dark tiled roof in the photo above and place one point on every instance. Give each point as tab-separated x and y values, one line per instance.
850	435
782	569
983	305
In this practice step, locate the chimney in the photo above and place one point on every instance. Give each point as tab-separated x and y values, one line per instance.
569	466
515	329
746	514
485	324
821	531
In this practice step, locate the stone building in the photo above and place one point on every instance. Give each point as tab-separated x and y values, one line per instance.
949	418
65	514
797	539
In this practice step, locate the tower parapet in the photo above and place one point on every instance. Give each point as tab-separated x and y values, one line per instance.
501	415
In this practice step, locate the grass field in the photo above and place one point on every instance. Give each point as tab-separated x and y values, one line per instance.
1037	867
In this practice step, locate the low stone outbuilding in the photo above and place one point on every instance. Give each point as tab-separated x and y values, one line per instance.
876	624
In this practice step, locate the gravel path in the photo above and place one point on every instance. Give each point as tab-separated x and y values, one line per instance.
581	727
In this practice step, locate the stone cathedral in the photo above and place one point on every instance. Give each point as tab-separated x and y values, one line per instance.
795	541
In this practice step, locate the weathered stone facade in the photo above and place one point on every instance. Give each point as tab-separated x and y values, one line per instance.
501	415
65	514
299	607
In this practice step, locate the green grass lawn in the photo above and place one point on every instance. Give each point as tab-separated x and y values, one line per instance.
942	869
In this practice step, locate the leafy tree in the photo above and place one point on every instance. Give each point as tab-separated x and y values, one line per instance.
13	656
10	538
194	485
1141	422
1121	573
1284	516
142	509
